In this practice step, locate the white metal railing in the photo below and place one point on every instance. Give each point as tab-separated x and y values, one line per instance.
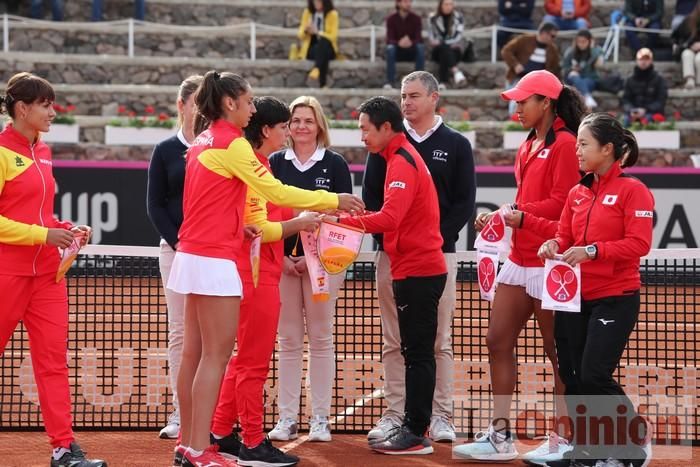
373	33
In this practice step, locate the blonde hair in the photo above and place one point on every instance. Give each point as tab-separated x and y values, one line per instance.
323	138
187	88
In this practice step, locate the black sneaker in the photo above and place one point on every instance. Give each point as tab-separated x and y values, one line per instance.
265	455
403	442
179	456
229	446
76	458
389	434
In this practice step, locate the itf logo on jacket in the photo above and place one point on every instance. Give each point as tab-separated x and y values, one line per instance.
440	155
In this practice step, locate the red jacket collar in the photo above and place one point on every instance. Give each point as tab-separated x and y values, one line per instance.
17	137
557	125
225	125
613	172
394	144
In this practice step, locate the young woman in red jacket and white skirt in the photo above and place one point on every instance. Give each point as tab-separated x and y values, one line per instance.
606	226
545	170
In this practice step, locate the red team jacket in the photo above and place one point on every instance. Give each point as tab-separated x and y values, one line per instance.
221	165
616	213
410	216
543	182
27	190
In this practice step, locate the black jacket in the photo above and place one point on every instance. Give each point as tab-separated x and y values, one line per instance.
652	9
645	88
517	10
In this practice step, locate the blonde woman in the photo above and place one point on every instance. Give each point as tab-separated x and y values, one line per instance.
166	183
308	164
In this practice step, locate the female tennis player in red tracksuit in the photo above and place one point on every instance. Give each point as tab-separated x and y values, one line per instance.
545	170
29	240
220	166
241	395
606	226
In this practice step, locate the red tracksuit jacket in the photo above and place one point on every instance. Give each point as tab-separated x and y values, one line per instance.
410	216
543	181
616	214
27	189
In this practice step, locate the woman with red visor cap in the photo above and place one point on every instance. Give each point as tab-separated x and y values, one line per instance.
606	226
545	170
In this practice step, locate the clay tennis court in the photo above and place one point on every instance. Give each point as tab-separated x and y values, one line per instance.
118	367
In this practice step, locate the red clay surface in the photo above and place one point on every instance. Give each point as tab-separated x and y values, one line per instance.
140	449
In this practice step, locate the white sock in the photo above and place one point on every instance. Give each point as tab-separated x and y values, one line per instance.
217	436
195	453
59	452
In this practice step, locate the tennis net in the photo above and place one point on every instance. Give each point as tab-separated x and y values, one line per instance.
118	348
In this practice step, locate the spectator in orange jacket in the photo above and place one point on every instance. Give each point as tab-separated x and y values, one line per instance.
568	14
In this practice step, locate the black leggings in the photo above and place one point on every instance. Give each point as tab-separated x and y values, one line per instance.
321	52
589	348
447	57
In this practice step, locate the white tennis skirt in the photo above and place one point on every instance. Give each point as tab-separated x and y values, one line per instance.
530	278
202	275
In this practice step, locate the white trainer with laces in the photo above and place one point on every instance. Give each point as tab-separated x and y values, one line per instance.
552	448
319	429
384	426
459	78
441	430
488	446
172	429
285	430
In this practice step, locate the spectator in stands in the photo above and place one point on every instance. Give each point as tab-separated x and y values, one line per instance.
514	14
139	10
643	14
687	38
682	10
580	63
36	9
446	28
318	32
166	184
645	90
404	41
568	14
529	52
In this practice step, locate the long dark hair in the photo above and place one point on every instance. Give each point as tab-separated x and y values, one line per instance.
327	6
583	55
607	129
569	106
209	94
28	88
449	19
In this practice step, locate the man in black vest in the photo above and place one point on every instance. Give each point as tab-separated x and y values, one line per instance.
448	155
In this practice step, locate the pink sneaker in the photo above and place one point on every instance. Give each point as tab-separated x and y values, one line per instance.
209	458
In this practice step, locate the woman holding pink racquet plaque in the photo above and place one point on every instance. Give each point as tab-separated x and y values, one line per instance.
606	226
545	170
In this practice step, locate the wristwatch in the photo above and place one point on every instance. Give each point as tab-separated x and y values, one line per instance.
592	251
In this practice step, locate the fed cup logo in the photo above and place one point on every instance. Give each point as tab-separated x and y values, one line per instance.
487	273
494	230
561	283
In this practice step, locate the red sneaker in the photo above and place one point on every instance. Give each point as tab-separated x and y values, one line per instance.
209	458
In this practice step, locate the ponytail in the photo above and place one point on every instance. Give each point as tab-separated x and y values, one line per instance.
607	129
27	88
570	107
631	151
215	86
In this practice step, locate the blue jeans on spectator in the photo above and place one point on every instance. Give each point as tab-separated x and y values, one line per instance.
394	54
564	24
37	9
633	38
586	86
504	36
139	10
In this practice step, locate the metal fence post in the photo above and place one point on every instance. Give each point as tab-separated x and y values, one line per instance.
252	41
5	33
616	44
494	42
131	37
372	43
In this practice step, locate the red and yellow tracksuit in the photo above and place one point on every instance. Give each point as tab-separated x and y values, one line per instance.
543	180
221	165
28	288
241	395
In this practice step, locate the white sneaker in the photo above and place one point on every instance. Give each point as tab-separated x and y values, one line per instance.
172	429
590	102
319	429
388	86
488	446
441	87
459	78
285	430
384	426
552	449
441	429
